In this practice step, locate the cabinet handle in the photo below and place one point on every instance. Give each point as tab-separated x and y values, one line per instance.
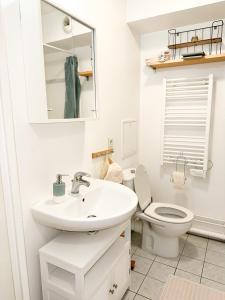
115	285
111	291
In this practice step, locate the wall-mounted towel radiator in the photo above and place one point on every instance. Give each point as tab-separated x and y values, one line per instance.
186	122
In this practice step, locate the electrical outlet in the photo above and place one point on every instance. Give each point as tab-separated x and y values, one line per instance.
110	143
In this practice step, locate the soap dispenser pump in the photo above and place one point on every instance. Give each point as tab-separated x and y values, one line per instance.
59	188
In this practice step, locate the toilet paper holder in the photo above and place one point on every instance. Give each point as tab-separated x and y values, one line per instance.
182	158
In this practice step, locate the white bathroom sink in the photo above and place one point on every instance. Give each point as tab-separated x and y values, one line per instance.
103	205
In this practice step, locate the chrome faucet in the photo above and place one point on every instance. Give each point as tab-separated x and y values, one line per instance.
78	181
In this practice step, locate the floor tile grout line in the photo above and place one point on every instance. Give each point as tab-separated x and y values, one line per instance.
180	254
163	263
197	246
145	257
204	260
188	272
208	239
212	280
149	268
142	257
156	279
144	280
141	296
218	252
194	257
205	238
210	264
214	264
139	272
152	261
185	270
189	257
141	284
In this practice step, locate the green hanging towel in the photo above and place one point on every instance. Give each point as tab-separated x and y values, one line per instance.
73	88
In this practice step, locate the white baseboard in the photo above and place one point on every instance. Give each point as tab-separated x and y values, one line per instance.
208	227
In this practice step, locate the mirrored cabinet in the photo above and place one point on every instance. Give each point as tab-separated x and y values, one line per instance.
64	70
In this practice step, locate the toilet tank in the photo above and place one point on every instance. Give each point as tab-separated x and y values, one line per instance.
128	178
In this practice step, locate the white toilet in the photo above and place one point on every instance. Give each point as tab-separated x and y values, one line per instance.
163	223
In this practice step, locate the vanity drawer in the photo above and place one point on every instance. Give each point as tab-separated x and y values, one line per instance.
109	278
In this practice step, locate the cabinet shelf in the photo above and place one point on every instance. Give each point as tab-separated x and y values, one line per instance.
197	43
181	62
76	265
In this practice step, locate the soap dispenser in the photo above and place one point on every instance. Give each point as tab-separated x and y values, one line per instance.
59	188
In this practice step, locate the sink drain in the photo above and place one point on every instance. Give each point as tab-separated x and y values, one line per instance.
92	216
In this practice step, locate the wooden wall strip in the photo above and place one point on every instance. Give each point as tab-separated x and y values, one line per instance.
102	153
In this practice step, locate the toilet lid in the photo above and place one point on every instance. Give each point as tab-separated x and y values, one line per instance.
142	187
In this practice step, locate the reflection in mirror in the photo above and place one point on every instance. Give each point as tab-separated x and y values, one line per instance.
69	65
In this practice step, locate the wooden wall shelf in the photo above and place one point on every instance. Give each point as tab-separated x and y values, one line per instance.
197	43
188	62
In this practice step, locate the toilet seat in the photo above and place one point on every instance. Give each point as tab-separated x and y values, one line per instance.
169	213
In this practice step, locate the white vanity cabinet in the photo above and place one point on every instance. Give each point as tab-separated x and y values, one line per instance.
79	266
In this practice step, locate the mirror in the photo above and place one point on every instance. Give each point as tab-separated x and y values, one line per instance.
68	47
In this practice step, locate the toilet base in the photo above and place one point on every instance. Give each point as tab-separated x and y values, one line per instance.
157	244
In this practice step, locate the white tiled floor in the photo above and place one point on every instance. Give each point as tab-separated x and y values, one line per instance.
201	260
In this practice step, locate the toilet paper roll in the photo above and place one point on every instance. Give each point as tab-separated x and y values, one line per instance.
178	179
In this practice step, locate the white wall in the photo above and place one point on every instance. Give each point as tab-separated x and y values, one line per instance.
140	9
47	149
6	280
206	197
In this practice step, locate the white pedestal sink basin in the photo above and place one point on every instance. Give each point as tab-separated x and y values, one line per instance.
103	205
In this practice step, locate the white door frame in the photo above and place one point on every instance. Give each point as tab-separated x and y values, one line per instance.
9	172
